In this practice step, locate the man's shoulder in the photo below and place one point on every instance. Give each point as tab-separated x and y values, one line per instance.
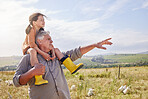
25	57
24	61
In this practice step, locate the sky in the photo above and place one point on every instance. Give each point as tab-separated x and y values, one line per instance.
74	23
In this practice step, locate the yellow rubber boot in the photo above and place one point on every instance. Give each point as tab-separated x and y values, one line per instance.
71	66
39	80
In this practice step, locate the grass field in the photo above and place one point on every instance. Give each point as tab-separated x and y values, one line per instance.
104	83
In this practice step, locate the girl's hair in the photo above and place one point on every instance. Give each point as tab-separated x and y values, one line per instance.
33	17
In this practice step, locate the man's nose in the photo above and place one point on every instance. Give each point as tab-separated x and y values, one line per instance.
51	41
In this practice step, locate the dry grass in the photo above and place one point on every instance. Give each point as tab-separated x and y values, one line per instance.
103	81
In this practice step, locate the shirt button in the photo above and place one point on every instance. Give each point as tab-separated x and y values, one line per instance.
54	77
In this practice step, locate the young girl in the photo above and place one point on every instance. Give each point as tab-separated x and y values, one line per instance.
37	22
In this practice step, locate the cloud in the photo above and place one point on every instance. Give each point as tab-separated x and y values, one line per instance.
14	20
116	6
128	41
90	10
144	5
24	2
13	26
71	34
128	37
66	34
78	32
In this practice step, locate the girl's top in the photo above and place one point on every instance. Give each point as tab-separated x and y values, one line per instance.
29	41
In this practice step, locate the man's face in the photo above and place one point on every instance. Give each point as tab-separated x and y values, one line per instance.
46	43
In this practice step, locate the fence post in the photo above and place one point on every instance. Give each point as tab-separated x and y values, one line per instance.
119	72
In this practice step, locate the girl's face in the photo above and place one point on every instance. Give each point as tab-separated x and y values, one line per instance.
40	23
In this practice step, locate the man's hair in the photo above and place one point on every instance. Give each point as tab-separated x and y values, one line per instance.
41	35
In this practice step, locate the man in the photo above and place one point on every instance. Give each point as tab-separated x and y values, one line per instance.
57	87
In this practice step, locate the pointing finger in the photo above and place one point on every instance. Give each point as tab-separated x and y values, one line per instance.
108	39
103	48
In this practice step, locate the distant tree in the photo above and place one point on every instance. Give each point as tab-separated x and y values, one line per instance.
99	59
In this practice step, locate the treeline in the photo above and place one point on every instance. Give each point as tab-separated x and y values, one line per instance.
141	63
8	68
101	60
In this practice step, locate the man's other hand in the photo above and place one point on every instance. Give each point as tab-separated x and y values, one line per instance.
39	69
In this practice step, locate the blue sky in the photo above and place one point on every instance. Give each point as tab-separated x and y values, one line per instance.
75	23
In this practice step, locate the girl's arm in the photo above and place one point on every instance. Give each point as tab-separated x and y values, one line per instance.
31	38
45	55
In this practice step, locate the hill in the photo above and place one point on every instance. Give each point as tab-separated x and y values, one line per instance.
98	61
127	58
143	52
8	61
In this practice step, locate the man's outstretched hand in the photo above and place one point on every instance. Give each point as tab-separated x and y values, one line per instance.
104	42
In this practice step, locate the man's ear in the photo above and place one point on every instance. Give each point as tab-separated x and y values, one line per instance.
39	41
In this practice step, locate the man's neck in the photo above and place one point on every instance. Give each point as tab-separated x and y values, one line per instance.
44	50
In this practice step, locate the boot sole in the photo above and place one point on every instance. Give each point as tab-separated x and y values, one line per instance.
41	84
78	69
